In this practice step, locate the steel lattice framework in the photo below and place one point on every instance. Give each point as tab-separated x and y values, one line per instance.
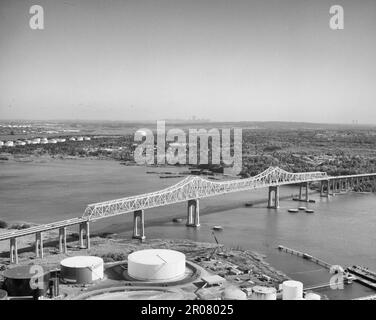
194	187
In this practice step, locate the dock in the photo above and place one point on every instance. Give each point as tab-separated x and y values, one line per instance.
306	256
356	273
363	276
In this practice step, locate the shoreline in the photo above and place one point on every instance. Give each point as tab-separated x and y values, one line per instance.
213	258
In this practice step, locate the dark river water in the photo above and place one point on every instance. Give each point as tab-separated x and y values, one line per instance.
341	231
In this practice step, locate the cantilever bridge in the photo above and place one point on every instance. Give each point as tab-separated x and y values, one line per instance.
190	189
195	187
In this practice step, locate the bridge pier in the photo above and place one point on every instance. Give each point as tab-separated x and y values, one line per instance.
340	188
334	185
84	233
13	252
39	245
139	218
343	185
193	213
306	196
273	204
330	187
325	188
63	240
337	188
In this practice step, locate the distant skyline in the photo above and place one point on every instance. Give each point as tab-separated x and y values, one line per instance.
223	60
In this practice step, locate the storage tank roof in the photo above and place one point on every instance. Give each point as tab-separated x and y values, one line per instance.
81	261
156	256
233	293
292	283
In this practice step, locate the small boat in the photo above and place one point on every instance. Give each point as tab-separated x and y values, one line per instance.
249	204
310	211
312	201
293	210
218	228
177	220
302	208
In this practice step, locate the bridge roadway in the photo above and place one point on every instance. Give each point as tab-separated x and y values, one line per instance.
41	228
190	189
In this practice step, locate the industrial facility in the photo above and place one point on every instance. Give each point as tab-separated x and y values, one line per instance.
42	140
156	274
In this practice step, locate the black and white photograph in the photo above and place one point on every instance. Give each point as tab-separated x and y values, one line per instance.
204	151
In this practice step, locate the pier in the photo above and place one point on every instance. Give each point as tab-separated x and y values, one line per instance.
306	256
363	276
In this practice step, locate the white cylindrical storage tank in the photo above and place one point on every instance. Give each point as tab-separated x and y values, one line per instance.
156	265
9	144
264	293
233	293
312	296
81	269
292	290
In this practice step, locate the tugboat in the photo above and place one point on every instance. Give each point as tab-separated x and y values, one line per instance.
309	211
293	210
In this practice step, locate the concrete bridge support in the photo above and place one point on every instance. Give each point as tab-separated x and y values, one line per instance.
273	202
84	232
63	240
344	185
341	187
39	245
139	225
306	196
324	188
331	187
13	251
193	213
335	186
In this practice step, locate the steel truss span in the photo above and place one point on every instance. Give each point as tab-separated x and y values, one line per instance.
194	187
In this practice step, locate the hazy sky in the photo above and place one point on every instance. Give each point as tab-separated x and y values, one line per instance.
154	59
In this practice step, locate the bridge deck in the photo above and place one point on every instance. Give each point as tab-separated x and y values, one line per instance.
41	228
